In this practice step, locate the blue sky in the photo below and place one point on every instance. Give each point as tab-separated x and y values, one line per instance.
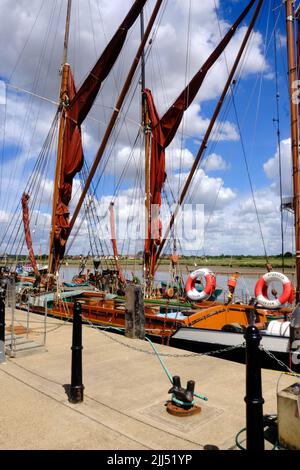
33	61
260	138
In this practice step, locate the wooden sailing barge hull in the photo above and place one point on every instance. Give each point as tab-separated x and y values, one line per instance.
200	330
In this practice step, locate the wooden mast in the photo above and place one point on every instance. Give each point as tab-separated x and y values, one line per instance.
147	258
209	129
62	101
289	6
147	132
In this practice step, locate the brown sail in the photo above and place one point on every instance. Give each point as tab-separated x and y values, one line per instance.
164	130
79	105
72	161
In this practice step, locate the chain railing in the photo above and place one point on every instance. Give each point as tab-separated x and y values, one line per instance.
103	330
281	363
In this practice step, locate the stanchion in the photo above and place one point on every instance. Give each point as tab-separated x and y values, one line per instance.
76	388
254	400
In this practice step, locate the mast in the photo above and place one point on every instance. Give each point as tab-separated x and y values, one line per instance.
147	132
63	98
292	71
210	127
67	32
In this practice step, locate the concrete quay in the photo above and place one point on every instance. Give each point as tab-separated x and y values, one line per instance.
125	393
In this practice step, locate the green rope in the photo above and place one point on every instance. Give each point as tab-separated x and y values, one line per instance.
202	397
160	360
182	403
236	439
275	447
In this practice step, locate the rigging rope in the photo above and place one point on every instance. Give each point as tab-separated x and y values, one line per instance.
134	87
243	145
33	187
29	112
187	67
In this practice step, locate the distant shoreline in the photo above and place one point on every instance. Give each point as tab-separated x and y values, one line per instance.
188	265
250	271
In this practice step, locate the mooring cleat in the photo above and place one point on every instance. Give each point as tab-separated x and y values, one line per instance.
182	403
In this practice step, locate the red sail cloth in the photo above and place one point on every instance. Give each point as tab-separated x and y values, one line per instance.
26	223
164	129
80	105
71	163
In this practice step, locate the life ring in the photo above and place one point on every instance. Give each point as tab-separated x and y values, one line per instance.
210	284
261	290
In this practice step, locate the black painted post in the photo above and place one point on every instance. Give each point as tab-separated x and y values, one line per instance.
254	400
2	327
76	389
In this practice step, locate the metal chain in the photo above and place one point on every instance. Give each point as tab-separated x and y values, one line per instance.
210	353
282	364
38	333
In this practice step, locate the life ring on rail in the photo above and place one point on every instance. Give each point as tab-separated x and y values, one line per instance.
261	290
210	285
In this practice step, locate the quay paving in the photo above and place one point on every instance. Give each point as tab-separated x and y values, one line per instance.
124	397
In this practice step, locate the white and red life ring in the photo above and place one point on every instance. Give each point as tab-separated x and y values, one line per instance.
261	290
210	284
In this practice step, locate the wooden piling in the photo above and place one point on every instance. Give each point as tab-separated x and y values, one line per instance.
134	313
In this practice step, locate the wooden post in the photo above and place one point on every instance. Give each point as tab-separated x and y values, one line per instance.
134	313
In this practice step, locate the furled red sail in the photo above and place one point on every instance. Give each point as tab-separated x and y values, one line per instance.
79	106
71	163
26	223
164	130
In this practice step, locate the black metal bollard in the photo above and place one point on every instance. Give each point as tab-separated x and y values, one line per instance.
2	328
76	388
254	400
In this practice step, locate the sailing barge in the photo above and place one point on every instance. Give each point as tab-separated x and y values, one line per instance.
172	318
